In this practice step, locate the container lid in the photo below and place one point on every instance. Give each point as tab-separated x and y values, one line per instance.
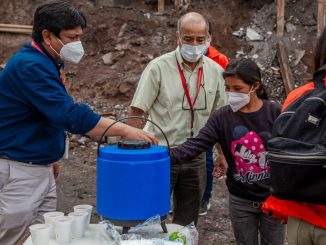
115	153
133	144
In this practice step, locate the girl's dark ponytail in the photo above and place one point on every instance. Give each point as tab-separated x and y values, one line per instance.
261	92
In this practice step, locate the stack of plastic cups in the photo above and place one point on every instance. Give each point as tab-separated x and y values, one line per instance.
49	218
85	208
78	223
62	229
40	234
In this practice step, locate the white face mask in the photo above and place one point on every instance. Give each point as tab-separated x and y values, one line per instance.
192	53
71	52
238	100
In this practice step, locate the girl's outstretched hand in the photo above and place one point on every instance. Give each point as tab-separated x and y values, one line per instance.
220	166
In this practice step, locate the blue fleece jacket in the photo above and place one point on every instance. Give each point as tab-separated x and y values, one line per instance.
36	110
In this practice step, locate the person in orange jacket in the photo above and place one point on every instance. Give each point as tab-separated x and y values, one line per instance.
205	205
306	223
214	54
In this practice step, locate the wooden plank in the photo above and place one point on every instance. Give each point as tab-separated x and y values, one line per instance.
16	30
280	18
112	3
161	6
109	114
286	72
99	3
177	4
15	26
321	17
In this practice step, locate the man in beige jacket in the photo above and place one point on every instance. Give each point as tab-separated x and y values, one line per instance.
179	90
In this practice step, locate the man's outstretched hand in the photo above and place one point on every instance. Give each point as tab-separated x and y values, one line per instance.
138	134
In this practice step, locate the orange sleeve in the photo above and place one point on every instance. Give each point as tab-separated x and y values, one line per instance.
275	208
312	213
295	94
218	57
223	61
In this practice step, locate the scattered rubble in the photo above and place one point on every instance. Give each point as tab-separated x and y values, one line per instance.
290	27
252	35
147	15
299	55
241	33
240	53
122	30
82	140
299	39
108	58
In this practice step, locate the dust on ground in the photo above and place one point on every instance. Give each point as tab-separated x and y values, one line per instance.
131	36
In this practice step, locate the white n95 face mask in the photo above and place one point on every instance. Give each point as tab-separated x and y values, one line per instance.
238	100
193	53
72	52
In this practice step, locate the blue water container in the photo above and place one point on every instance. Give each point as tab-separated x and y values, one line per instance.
133	182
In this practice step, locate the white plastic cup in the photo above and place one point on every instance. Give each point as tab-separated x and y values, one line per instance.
78	223
49	219
62	229
83	208
40	234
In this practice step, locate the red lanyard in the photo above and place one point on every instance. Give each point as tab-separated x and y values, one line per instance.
62	74
34	44
185	88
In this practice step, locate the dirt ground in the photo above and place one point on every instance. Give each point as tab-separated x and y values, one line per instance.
132	36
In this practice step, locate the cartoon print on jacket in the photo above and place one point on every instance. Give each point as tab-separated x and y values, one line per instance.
250	157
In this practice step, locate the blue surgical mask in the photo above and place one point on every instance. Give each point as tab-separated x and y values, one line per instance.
192	53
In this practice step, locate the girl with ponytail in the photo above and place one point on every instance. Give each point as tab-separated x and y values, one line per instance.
242	128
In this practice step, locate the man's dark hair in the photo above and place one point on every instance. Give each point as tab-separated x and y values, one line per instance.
247	71
56	17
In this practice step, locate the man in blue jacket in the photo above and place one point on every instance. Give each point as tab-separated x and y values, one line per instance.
35	113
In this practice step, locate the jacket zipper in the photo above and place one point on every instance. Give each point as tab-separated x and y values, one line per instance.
317	98
301	158
298	157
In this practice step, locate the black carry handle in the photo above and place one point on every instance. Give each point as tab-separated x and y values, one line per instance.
130	117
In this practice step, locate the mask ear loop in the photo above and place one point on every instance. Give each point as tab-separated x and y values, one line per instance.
252	90
58	39
54	50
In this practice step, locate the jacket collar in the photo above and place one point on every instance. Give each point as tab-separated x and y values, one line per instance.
58	64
